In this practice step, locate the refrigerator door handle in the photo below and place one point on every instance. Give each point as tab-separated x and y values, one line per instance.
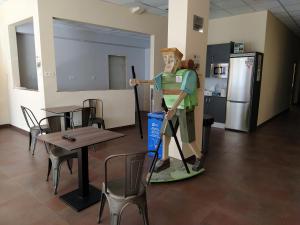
237	101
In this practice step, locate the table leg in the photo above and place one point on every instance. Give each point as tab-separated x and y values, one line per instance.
86	195
83	171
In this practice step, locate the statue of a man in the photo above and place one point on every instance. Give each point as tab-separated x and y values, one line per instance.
179	89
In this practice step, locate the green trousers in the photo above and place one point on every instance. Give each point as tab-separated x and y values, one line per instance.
184	118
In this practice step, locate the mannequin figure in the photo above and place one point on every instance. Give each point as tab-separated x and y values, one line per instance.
179	89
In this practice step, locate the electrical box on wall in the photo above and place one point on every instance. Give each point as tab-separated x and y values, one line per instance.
198	24
196	59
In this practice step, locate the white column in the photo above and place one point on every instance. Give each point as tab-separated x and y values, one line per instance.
190	42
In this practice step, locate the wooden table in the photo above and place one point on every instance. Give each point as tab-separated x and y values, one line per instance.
65	110
86	195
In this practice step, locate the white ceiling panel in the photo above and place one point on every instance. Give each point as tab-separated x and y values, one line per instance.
240	10
286	10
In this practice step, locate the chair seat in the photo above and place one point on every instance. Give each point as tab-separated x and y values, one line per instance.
57	152
116	189
44	128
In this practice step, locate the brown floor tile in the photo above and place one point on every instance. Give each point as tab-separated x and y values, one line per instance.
250	179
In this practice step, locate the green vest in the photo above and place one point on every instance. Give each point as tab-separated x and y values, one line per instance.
171	86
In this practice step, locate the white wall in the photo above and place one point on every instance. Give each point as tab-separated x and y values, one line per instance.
120	104
13	12
4	112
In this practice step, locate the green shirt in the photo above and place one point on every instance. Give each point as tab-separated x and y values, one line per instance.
184	80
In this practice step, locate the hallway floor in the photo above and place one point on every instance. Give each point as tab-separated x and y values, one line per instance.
250	179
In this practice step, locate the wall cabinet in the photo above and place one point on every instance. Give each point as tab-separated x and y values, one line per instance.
216	107
219	53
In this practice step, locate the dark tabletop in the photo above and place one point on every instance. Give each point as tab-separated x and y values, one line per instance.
62	109
85	136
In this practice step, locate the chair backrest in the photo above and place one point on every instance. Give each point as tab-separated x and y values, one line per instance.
86	115
30	118
133	171
53	122
94	104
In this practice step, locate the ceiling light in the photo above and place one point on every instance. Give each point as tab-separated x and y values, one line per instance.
137	10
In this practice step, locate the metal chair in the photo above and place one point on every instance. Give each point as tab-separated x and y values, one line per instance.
56	155
33	125
129	189
94	119
86	115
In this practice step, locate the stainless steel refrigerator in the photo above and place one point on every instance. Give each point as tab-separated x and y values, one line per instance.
243	91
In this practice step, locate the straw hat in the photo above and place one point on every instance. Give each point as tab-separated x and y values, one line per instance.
174	50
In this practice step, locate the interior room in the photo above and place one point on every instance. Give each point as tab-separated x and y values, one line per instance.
149	112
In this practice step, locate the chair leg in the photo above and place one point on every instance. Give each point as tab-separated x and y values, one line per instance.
70	164
103	125
29	141
34	135
49	168
102	204
144	211
115	219
56	173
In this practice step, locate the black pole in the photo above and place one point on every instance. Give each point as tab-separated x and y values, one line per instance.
175	137
155	158
137	103
152	166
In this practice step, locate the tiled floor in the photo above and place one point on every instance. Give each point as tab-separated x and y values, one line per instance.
250	179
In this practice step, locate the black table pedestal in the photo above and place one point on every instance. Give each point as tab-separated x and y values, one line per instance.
86	195
79	203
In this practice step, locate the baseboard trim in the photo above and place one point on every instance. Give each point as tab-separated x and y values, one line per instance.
123	127
218	125
272	118
19	130
4	126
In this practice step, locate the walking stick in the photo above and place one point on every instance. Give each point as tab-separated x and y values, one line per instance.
151	169
137	103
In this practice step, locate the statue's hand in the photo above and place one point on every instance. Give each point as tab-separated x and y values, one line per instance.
133	82
170	114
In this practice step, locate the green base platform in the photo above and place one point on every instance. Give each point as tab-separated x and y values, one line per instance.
175	172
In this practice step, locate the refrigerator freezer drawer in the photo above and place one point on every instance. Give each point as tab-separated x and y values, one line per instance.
237	116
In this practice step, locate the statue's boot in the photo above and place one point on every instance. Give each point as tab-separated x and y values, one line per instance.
161	165
198	165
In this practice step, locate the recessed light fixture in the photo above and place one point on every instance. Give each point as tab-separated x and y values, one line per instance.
137	10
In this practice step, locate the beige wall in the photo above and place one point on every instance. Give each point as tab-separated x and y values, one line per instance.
280	55
13	12
119	105
4	112
264	33
190	43
250	28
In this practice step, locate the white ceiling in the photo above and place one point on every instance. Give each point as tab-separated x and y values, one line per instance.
288	11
